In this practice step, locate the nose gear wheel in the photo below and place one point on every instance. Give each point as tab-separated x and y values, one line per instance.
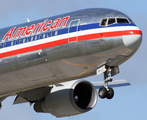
110	93
102	92
105	92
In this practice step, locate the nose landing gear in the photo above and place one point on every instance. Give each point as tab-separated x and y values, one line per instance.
106	92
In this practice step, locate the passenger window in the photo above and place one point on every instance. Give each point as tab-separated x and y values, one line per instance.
48	34
12	43
36	37
16	42
111	21
39	36
43	35
19	41
4	44
28	39
56	32
104	22
51	33
122	21
24	40
32	38
0	45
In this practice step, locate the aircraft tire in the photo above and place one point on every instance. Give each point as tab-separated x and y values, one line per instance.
110	93
102	92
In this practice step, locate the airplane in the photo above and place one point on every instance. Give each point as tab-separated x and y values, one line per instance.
43	62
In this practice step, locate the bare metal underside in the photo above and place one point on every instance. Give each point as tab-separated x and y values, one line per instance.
60	63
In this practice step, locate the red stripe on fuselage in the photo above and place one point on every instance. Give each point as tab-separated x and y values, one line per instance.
33	48
64	41
132	32
109	34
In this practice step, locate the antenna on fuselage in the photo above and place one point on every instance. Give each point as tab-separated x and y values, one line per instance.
28	20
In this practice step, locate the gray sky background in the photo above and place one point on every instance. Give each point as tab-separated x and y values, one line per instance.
129	103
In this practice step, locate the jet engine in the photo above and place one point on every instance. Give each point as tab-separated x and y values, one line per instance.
70	98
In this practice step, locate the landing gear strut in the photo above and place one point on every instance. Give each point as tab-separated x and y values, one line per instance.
106	92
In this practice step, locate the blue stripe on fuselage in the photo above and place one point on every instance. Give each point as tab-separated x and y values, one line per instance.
60	32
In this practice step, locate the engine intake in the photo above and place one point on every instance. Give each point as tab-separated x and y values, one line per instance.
74	97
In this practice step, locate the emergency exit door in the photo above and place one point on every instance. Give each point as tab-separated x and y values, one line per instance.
72	31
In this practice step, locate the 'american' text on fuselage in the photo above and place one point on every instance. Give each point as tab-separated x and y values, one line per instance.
32	29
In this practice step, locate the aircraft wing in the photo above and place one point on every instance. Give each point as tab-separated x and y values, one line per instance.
114	83
65	95
38	93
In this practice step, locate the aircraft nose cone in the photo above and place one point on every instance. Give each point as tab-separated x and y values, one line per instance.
132	38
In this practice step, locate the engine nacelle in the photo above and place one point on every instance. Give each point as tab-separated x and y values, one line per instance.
74	97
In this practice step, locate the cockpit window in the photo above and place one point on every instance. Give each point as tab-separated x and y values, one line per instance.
109	21
122	20
104	22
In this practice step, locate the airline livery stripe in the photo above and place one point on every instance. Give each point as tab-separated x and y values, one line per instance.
33	48
55	41
108	34
134	32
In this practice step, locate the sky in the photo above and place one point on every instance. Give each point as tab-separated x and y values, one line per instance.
129	103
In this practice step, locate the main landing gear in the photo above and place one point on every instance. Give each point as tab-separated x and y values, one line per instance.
106	92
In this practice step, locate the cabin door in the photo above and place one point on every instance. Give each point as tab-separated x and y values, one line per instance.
72	30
